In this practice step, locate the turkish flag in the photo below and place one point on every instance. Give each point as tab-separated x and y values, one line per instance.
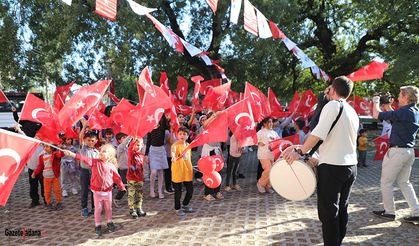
37	110
156	98
258	101
120	110
242	124
71	133
381	147
217	97
195	98
361	106
294	102
81	102
374	70
174	122
279	145
106	8
144	83
181	90
307	102
15	151
113	97
276	32
3	97
183	109
164	82
215	131
99	121
233	98
277	111
60	94
206	85
49	134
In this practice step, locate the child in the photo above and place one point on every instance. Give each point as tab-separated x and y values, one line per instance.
232	164
122	158
87	143
104	175
33	182
49	165
182	172
68	169
135	178
362	148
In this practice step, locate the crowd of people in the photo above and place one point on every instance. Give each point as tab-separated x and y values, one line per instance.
98	162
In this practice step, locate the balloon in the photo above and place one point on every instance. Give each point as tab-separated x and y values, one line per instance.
206	165
212	180
218	161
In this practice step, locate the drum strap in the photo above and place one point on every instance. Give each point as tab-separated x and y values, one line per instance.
333	125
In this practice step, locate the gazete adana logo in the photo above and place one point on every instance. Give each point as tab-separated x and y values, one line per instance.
24	233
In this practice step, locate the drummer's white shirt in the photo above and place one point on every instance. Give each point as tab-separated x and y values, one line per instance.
339	146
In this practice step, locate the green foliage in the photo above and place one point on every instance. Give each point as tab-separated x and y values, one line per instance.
44	40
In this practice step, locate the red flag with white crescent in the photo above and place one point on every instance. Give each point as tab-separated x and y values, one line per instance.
381	147
208	84
86	98
15	151
361	106
307	102
49	134
181	90
144	83
279	145
60	94
293	106
277	111
242	124
374	70
113	97
99	121
37	110
217	97
258	101
195	97
106	8
164	83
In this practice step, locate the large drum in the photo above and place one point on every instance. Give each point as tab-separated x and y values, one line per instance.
294	182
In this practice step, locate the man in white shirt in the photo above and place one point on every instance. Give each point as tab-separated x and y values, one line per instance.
337	157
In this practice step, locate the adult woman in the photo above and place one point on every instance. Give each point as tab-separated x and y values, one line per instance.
265	155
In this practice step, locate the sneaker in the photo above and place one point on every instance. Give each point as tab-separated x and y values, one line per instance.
59	206
382	214
228	189
152	194
116	203
74	191
270	191
111	227
140	212
98	230
169	191
237	187
133	213
180	212
209	197
261	189
65	194
85	212
161	196
219	196
199	180
412	219
187	209
50	207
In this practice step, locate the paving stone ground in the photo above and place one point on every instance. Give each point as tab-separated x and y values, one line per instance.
242	218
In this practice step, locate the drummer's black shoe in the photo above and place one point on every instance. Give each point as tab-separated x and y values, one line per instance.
382	214
411	219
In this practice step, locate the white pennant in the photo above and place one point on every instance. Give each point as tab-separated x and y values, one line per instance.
250	19
193	51
68	2
290	45
263	26
139	9
163	30
235	11
207	60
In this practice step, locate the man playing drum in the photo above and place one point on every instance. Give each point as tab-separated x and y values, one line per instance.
337	159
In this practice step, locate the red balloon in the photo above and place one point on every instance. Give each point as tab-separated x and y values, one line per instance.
218	161
212	180
206	165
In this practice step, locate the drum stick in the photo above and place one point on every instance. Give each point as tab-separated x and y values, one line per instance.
302	187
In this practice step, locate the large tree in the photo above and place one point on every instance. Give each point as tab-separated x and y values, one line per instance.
48	41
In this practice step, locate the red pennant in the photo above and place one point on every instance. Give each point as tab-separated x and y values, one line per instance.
174	122
258	101
206	85
242	124
106	8
195	98
279	145
276	32
144	83
15	151
113	97
217	97
3	97
164	83
181	90
381	147
215	131
81	102
374	70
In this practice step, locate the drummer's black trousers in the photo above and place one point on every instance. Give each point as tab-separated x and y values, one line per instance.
333	188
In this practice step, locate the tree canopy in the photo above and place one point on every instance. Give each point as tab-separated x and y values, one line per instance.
46	41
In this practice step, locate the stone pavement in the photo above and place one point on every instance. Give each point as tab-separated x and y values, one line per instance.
242	218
